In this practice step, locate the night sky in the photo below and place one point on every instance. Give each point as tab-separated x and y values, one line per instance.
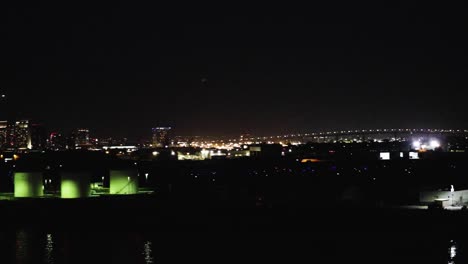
122	68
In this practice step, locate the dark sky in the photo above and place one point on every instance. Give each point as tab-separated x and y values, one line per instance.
122	68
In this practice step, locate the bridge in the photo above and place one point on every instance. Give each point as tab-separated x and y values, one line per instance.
392	134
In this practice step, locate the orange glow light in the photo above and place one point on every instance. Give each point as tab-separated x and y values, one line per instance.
310	160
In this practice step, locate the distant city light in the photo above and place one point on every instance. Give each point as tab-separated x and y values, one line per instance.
417	144
434	144
413	155
422	145
385	155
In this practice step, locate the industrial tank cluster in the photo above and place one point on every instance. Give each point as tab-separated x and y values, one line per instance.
75	177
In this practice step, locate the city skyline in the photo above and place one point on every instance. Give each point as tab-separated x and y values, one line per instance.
26	134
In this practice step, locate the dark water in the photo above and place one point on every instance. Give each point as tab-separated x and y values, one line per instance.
95	246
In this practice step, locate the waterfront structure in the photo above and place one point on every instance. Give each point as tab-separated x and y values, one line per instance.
446	197
75	184
123	181
28	184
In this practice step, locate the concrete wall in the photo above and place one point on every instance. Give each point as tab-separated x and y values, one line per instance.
28	184
459	197
75	184
123	181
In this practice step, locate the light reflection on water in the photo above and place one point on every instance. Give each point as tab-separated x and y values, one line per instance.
452	252
33	246
147	252
22	246
49	248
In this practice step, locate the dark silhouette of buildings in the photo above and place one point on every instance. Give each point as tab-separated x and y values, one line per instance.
162	136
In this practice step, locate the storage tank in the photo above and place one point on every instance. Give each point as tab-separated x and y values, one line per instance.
75	184
123	177
28	184
123	181
76	171
28	176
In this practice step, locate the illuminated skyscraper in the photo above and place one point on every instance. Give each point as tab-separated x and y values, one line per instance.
162	136
22	135
57	141
3	134
82	137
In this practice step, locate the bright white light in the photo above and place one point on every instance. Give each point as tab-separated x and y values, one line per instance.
385	155
434	144
417	144
414	155
453	251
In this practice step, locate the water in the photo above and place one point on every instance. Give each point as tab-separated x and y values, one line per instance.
95	246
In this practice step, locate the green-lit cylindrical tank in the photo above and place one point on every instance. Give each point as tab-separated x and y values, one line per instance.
28	184
123	181
75	184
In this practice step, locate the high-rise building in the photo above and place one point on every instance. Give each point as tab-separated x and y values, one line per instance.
162	136
38	137
82	137
71	141
57	141
3	133
22	135
8	135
